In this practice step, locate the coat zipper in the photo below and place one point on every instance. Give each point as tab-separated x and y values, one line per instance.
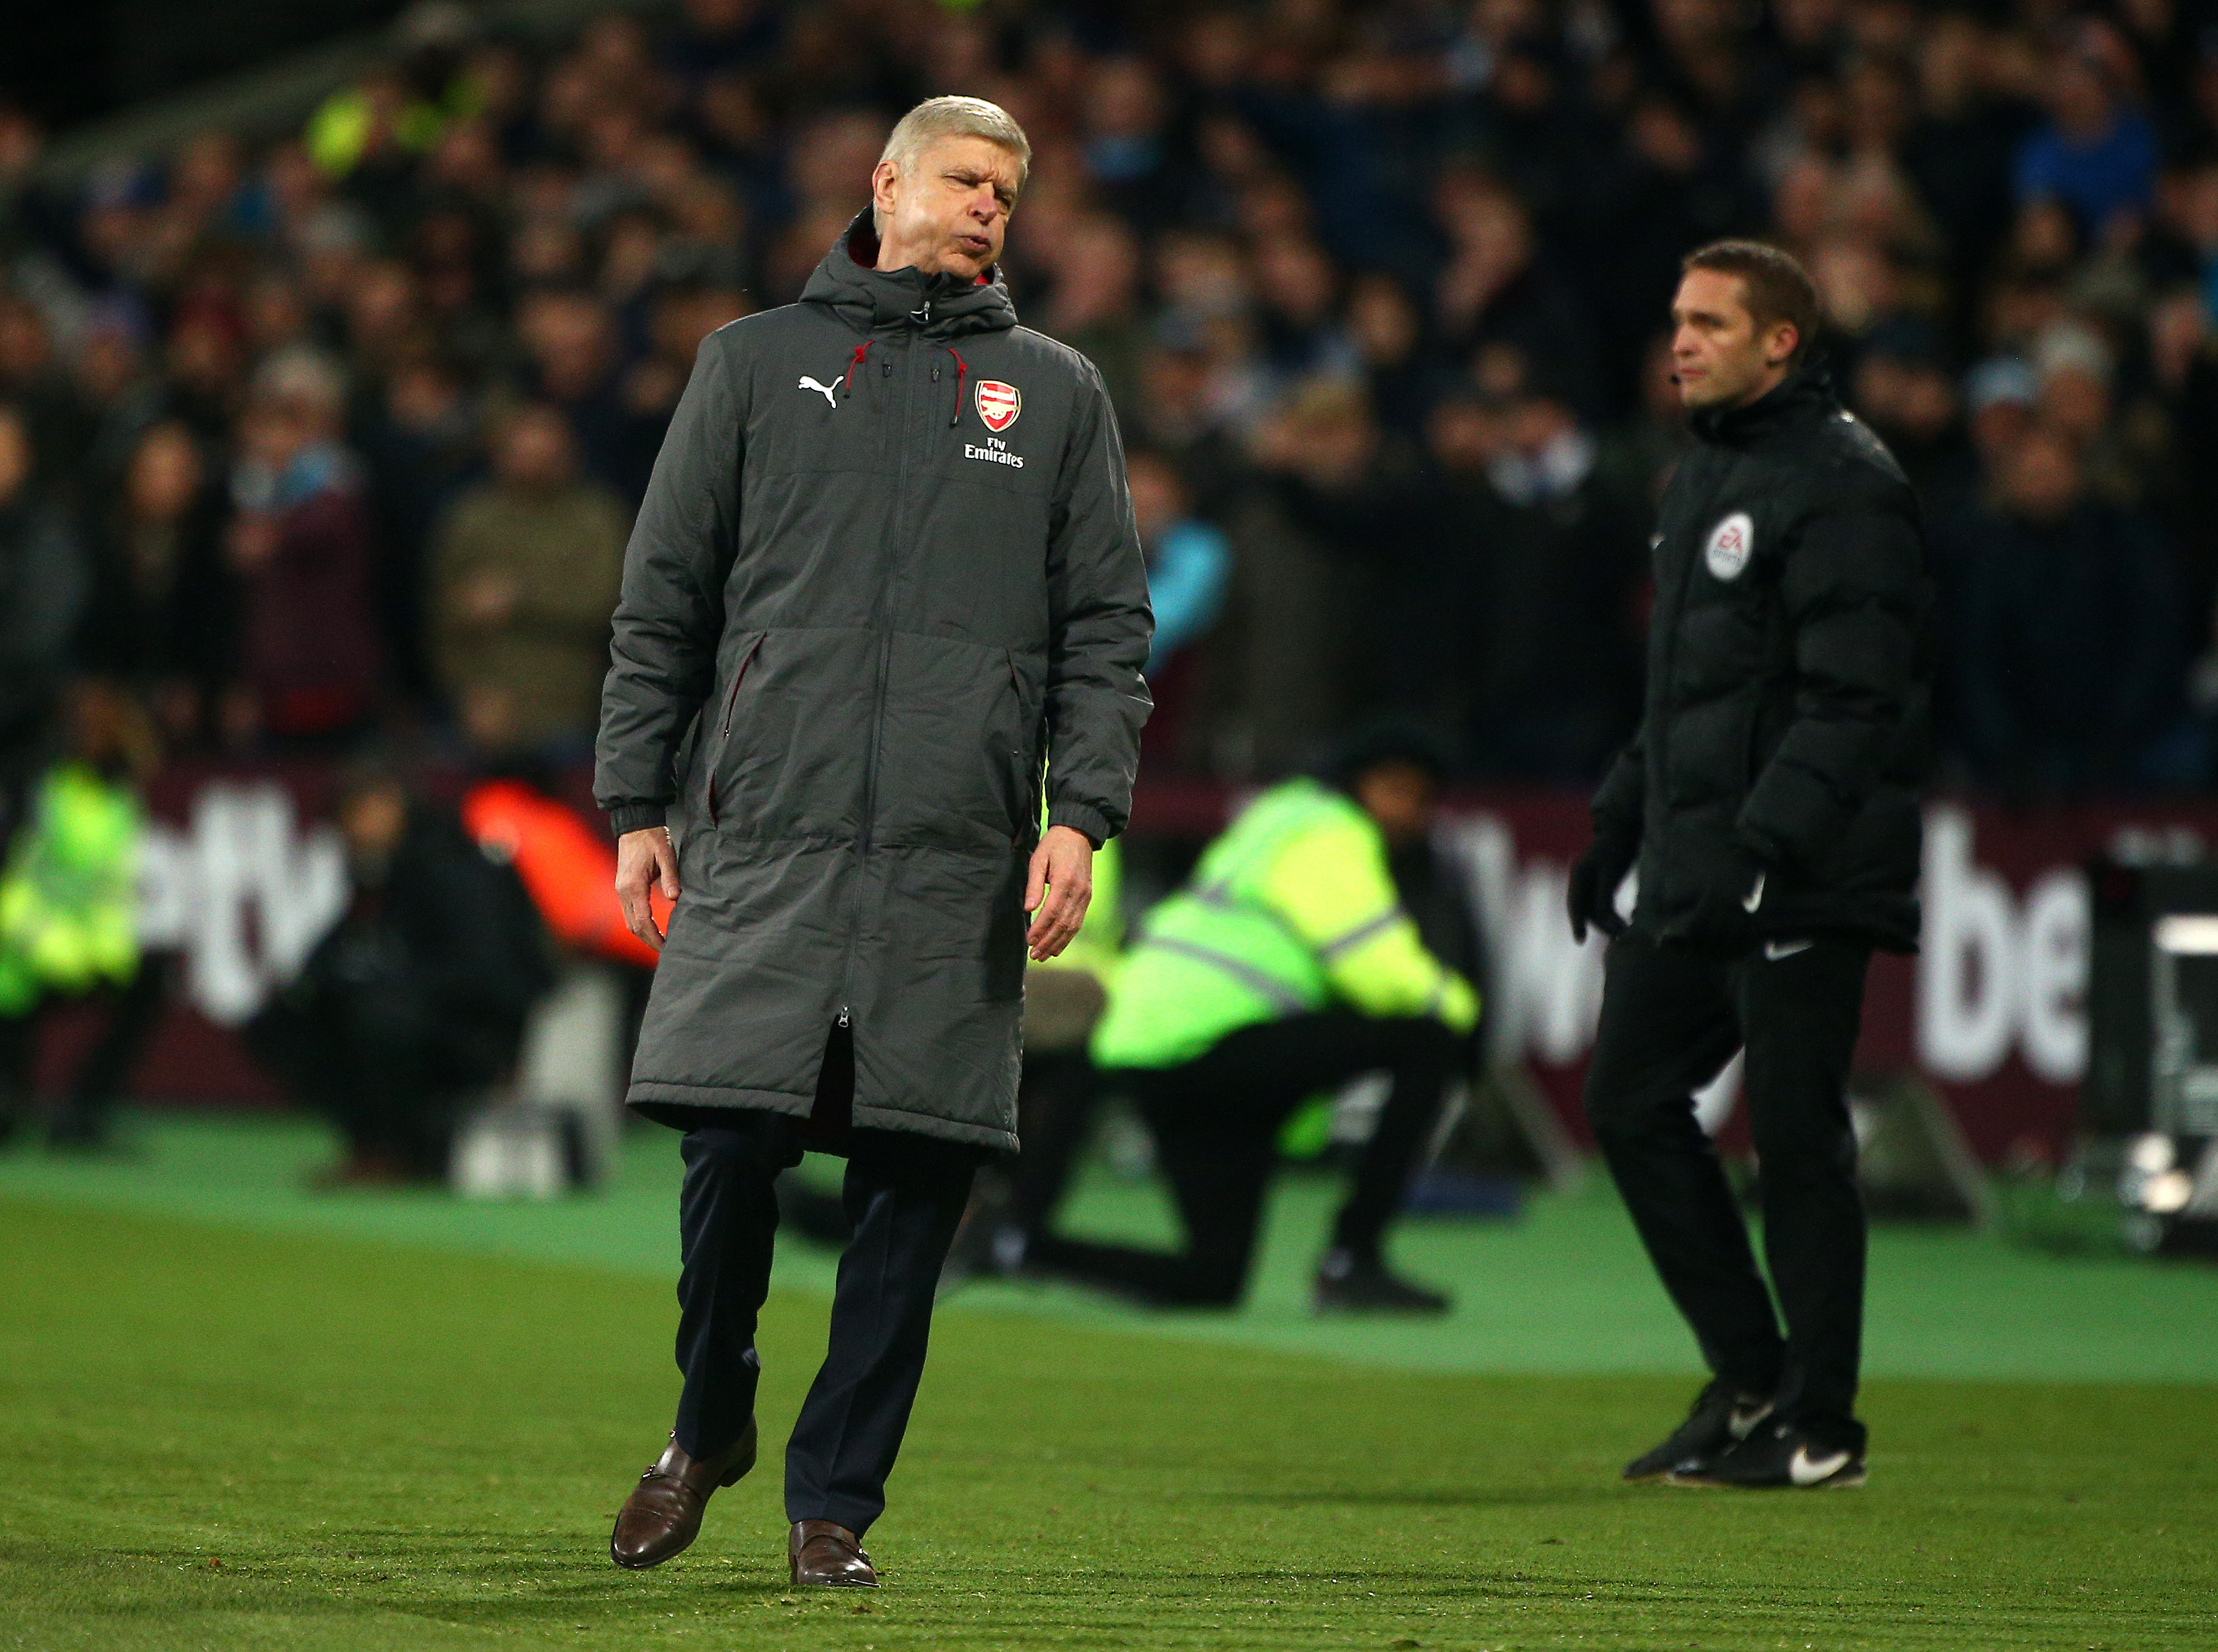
885	646
1684	584
724	731
1028	784
885	635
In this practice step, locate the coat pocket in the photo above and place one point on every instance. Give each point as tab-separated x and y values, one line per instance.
954	748
1026	753
720	741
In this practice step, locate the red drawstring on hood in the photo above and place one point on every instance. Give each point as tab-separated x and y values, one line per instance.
962	378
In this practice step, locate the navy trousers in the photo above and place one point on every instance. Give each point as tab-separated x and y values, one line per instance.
904	1195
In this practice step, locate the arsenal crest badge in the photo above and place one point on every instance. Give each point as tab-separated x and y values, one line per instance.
999	404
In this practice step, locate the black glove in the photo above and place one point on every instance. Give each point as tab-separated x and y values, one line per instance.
1592	895
1723	918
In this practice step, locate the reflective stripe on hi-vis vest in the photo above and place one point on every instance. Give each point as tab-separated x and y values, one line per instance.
1277	994
1362	932
1291	910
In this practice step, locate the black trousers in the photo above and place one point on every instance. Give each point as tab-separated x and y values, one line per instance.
1671	1018
390	1072
1216	1122
88	1108
903	1195
1055	1113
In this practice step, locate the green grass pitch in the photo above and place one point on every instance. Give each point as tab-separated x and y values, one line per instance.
226	1437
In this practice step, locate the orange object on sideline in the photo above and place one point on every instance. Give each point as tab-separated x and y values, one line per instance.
568	869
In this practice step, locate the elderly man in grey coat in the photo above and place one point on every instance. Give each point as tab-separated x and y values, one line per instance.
885	583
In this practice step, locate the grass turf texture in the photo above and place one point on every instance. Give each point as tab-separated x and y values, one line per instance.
219	1438
1565	1290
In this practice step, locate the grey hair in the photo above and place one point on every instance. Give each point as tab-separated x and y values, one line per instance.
957	117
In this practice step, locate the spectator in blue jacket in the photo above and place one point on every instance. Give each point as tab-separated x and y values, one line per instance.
1189	561
2095	155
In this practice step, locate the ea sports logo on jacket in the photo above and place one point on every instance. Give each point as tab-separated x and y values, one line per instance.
1732	543
999	404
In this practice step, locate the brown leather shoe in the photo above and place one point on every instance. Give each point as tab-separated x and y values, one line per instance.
662	1516
829	1556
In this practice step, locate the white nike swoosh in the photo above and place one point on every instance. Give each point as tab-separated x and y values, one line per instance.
1743	1423
1775	950
1804	1472
1755	896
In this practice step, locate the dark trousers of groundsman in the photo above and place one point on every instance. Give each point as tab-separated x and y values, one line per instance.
904	1194
1671	1018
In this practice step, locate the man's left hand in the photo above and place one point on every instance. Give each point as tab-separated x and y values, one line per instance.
1057	890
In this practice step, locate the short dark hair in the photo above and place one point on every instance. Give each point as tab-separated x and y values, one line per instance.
1775	285
1382	741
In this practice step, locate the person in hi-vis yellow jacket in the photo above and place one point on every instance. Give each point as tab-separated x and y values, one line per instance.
1285	966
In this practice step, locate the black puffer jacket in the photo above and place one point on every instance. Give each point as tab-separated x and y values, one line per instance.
1789	665
442	957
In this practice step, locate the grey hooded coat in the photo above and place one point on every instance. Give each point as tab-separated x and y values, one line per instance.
885	574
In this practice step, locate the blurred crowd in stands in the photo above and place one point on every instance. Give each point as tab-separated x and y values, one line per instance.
334	433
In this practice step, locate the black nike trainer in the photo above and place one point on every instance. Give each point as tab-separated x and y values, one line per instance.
1723	1416
1346	1284
1784	1455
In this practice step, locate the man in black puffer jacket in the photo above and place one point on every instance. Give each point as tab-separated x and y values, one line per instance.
417	998
1769	801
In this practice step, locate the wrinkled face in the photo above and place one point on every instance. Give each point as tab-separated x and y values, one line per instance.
1719	355
947	212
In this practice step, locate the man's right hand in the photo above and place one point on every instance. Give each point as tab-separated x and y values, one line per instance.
1592	896
645	863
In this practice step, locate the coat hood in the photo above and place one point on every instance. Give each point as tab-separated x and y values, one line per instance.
871	300
1804	394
